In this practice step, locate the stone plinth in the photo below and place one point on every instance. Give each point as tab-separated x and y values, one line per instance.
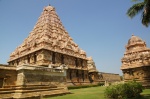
39	75
35	82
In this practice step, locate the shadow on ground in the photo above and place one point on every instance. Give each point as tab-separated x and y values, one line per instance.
146	96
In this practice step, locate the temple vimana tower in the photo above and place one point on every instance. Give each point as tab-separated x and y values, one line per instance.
49	45
136	61
45	63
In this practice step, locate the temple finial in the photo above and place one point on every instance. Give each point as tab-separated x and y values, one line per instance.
49	4
132	34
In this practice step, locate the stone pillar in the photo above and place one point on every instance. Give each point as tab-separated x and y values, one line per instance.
31	59
106	83
20	78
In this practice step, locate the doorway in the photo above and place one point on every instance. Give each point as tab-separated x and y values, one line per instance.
1	82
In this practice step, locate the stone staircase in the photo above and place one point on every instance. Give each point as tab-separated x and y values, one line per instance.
31	91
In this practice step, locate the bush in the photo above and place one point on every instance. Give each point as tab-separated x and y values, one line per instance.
124	91
84	86
78	87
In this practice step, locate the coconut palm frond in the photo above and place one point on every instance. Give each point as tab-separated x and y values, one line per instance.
146	18
137	0
135	9
141	6
146	13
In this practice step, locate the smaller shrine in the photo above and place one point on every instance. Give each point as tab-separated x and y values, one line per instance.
136	61
93	72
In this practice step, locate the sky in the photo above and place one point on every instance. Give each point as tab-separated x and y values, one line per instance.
99	27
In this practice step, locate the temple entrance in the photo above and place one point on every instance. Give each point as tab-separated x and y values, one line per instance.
1	82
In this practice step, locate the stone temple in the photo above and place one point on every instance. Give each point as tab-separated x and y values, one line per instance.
49	45
46	63
136	61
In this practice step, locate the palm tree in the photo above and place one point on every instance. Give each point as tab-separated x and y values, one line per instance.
142	6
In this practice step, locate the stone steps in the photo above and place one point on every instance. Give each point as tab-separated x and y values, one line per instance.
32	91
29	90
28	87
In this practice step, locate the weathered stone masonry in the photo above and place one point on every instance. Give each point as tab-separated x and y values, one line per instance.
49	44
136	61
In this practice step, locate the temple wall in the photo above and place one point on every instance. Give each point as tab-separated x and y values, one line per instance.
31	82
45	57
8	75
109	77
77	66
140	74
42	76
77	77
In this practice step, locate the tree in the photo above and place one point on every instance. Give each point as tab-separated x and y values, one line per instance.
141	6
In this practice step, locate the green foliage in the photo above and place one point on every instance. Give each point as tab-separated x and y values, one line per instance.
121	78
124	91
135	9
85	86
143	7
78	87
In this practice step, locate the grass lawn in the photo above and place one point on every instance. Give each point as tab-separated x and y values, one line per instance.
93	93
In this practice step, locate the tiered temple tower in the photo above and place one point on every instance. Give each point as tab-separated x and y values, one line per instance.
50	45
136	61
93	72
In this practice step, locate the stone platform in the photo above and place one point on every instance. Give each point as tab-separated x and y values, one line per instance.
35	82
31	92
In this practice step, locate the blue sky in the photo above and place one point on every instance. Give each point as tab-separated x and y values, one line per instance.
100	27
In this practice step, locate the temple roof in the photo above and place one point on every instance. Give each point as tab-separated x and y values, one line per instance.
91	65
48	33
134	39
136	54
135	43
